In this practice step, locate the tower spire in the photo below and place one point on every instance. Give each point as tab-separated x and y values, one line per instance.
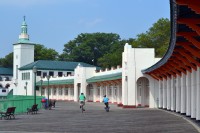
24	37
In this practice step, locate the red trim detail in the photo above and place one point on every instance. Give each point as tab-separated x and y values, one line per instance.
129	106
89	101
98	101
120	105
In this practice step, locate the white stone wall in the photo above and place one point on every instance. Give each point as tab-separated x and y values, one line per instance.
23	55
81	74
133	61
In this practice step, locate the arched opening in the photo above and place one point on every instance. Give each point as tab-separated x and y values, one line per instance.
143	92
89	92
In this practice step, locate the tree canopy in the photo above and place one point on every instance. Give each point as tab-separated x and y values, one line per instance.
43	53
157	37
89	48
7	61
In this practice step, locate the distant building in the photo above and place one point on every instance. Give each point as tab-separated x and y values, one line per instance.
60	80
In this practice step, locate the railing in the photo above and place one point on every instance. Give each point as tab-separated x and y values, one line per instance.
20	102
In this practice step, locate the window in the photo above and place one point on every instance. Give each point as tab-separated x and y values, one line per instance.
110	91
66	91
60	91
54	91
7	78
51	73
39	73
98	91
26	76
60	74
69	73
44	74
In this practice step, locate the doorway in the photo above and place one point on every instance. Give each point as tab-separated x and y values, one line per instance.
143	92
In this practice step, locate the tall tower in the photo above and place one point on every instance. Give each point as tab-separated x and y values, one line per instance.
23	52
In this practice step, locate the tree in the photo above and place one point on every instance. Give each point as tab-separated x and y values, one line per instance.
7	61
43	53
88	47
157	37
114	56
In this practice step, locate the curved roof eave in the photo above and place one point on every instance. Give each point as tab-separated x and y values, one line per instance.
173	18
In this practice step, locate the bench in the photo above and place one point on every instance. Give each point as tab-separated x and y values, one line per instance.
33	109
9	112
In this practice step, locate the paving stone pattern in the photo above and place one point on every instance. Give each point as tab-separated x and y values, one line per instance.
66	117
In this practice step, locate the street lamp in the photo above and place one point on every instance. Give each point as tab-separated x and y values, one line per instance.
26	87
41	86
48	77
35	72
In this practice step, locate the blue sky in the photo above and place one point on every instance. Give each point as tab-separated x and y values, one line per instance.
53	23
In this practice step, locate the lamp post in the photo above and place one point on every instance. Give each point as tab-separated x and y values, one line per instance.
41	86
35	72
48	77
26	87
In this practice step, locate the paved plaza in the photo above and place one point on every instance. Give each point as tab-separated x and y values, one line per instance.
66	117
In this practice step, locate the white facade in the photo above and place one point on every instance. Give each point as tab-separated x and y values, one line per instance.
133	61
132	89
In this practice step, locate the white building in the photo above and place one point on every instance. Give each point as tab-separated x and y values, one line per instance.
125	85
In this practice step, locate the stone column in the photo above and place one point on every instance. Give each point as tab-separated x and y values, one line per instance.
188	93
69	94
178	94
57	92
198	95
172	94
76	92
168	93
101	94
183	94
94	93
118	95
112	93
160	94
164	93
193	94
